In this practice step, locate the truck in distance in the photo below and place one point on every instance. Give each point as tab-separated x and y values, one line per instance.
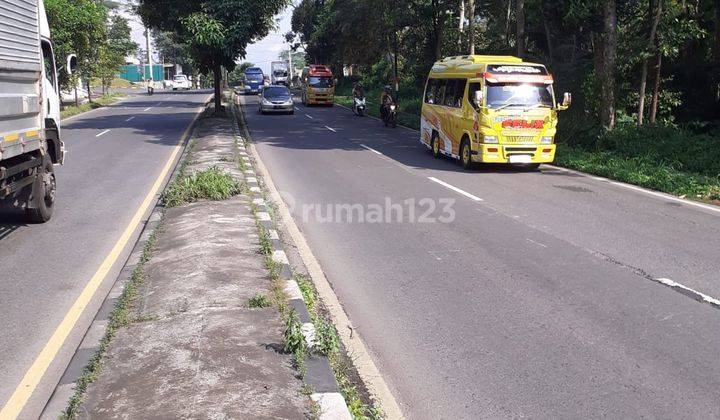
254	80
30	136
279	73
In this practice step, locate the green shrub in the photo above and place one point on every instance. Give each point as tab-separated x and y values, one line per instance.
210	184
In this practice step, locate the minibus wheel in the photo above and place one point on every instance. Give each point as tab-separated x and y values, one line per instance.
435	145
465	154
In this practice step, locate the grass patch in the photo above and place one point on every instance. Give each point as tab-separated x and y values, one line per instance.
210	184
259	301
664	158
119	317
294	341
104	100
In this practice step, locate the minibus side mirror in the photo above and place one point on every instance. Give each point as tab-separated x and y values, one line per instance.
567	101
71	66
479	96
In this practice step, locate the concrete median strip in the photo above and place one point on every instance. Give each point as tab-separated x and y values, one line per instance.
187	319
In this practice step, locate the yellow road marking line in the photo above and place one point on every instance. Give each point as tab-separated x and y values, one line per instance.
34	374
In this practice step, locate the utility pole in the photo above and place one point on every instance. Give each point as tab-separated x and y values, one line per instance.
149	54
471	25
290	67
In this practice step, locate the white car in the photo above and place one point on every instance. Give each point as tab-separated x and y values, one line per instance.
180	81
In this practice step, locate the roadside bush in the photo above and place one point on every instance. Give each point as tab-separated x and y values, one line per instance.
210	184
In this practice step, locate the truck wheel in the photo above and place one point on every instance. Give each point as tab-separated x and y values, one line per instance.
466	154
42	198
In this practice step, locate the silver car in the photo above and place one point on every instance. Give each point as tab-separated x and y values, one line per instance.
276	99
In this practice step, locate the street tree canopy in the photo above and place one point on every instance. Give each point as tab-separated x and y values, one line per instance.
216	31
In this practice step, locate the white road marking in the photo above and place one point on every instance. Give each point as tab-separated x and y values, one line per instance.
158	104
371	149
709	299
131	118
536	243
297	108
147	109
456	189
331	129
309	116
102	133
640	189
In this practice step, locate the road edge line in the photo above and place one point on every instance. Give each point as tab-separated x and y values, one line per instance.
368	371
33	375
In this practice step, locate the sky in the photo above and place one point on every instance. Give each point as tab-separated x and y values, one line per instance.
261	53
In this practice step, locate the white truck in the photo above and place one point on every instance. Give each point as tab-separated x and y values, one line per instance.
279	73
30	142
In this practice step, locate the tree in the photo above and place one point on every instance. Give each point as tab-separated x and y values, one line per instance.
119	45
520	25
605	58
78	27
216	31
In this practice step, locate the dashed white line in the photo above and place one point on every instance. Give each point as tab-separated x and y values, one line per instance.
297	109
131	118
102	133
331	129
536	242
456	189
371	149
309	116
709	299
147	109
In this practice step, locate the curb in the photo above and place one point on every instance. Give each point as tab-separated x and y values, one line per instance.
326	391
90	343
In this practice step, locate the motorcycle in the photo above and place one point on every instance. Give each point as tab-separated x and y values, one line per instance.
389	116
359	106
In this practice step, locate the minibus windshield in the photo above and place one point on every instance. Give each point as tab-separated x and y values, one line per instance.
504	95
320	82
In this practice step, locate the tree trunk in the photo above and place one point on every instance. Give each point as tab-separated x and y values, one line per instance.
656	88
717	32
77	99
217	78
461	26
89	92
520	33
654	17
546	27
605	64
471	25
507	23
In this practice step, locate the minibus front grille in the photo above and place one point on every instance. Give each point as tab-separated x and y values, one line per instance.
519	139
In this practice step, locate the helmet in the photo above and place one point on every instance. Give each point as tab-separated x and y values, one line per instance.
387	88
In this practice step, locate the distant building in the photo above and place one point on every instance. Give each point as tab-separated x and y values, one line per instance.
135	72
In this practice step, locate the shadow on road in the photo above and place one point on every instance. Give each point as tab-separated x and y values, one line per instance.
151	126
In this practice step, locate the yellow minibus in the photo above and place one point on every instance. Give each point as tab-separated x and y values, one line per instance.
490	109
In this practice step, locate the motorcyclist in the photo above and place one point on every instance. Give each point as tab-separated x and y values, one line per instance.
358	91
386	99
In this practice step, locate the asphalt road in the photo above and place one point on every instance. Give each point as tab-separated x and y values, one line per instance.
536	300
114	156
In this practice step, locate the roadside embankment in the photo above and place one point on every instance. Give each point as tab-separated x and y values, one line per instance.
105	100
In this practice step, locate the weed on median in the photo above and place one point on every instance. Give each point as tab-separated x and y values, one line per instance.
258	301
210	184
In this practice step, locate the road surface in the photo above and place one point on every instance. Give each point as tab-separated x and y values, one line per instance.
114	156
539	299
